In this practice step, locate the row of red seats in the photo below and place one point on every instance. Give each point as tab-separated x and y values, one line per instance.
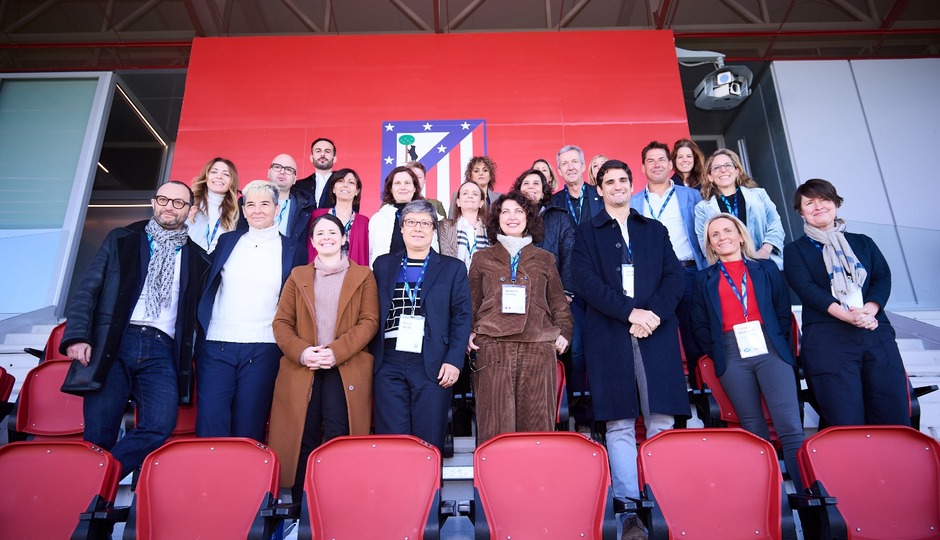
867	483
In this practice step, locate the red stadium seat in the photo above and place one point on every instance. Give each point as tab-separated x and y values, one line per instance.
382	486
206	488
885	480
44	411
51	352
561	397
48	485
706	373
6	384
542	485
713	483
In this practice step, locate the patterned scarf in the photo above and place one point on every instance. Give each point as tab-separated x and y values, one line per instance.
164	245
845	272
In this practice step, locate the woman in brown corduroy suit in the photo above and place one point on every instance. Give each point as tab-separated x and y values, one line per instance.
327	314
516	338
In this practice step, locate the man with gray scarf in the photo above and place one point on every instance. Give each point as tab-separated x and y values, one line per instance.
131	327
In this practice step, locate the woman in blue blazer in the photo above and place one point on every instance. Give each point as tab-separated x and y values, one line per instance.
849	353
741	319
424	327
237	357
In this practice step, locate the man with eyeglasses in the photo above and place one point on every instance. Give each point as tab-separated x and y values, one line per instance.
295	206
673	205
419	348
131	325
323	157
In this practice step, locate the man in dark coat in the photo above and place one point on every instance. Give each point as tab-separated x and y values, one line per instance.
131	325
629	278
323	156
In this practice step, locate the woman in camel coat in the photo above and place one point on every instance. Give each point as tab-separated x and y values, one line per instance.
311	403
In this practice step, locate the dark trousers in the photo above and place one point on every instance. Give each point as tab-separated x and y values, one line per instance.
407	401
856	375
684	314
234	388
144	370
327	418
746	380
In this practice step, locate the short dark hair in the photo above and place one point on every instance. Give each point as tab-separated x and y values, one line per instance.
337	175
546	189
387	197
816	188
533	222
652	146
613	164
181	184
318	139
329	217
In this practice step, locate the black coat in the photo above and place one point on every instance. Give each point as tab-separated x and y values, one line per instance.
309	186
659	284
299	219
105	299
559	241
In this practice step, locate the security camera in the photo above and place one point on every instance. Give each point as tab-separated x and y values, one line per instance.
724	88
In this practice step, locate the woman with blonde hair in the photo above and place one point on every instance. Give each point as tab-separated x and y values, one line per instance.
741	319
215	203
595	165
465	233
728	189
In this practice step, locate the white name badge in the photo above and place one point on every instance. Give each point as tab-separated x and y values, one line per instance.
410	334
854	299
513	299
750	339
627	271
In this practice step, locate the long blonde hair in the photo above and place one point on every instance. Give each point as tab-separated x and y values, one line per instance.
747	244
228	213
709	189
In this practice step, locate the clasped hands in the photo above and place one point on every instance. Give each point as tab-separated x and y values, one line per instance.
644	322
318	358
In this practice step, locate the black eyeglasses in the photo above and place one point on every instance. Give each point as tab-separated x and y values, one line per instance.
277	167
179	204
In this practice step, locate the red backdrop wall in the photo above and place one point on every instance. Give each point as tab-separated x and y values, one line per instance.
248	99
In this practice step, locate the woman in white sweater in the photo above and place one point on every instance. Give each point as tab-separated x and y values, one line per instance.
215	203
237	357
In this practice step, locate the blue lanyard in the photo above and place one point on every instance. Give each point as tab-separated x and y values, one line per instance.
413	294
646	193
629	248
741	296
576	218
215	230
280	215
514	266
348	224
150	241
818	245
732	207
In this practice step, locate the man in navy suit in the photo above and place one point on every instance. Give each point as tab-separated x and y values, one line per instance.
582	203
131	325
629	278
424	298
673	205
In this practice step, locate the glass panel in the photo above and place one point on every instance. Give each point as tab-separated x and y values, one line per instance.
42	129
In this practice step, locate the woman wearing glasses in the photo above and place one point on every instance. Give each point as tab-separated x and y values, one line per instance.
401	187
728	189
520	321
424	310
344	190
215	203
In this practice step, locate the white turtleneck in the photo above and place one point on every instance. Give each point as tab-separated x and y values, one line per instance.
202	226
513	244
251	284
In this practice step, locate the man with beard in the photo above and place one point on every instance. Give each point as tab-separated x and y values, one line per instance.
130	328
323	156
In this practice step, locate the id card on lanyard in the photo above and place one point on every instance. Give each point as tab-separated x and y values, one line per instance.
748	335
628	271
411	327
513	299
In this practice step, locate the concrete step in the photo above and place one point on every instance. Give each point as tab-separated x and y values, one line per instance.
18	365
42	329
910	344
922	363
26	340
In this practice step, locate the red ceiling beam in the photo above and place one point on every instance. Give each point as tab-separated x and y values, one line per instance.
807	33
896	10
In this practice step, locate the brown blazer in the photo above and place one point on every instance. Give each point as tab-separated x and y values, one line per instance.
547	314
295	329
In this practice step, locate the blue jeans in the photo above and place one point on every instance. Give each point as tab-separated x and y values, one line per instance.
143	370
